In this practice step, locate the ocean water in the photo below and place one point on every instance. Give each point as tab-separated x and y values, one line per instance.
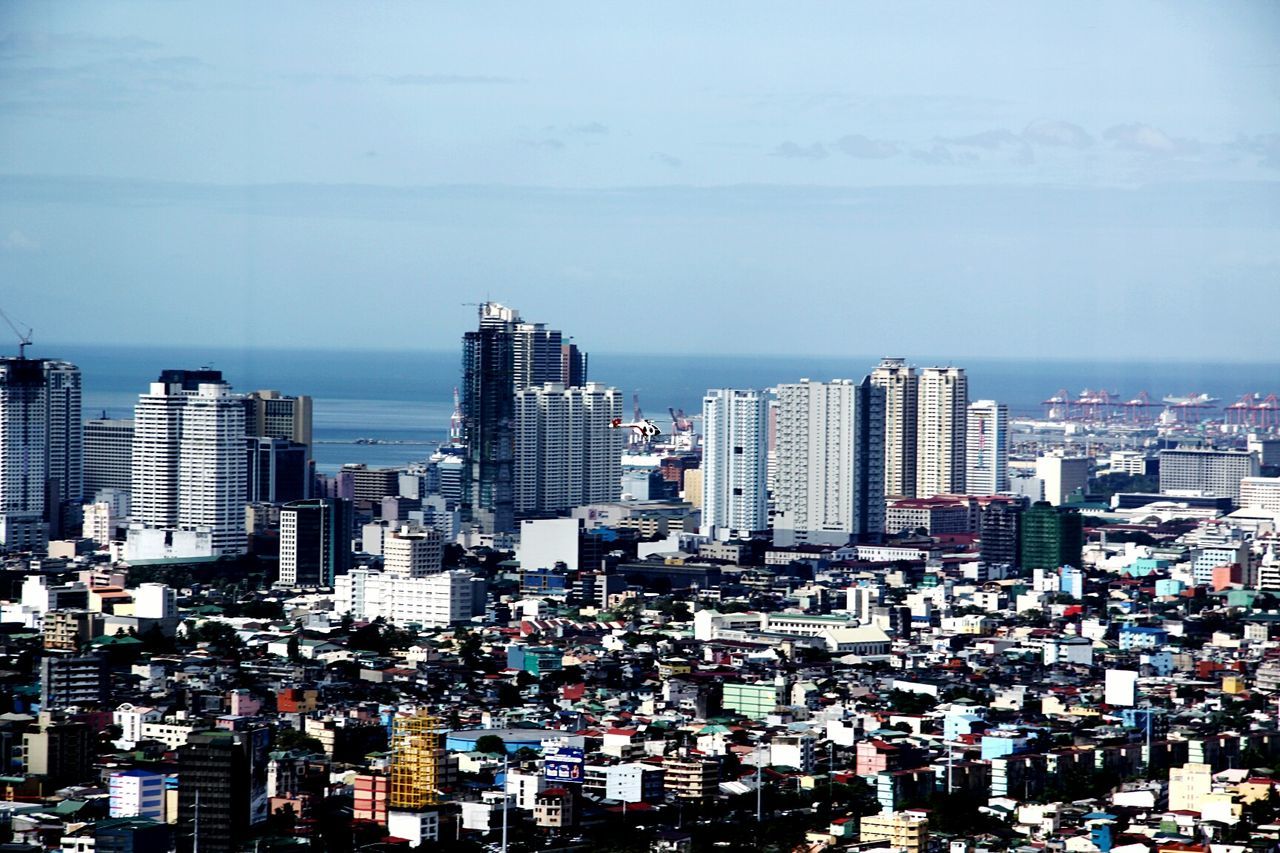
407	397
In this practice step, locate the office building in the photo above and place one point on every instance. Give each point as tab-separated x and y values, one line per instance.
271	414
1000	534
987	448
434	601
412	552
566	453
1051	537
131	835
278	470
734	499
942	406
226	773
137	793
1260	493
900	385
108	455
189	458
1062	476
829	485
1206	471
315	541
41	462
369	484
504	355
65	471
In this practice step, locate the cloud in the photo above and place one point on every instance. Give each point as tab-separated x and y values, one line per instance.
1061	134
994	141
667	160
1266	146
591	127
550	143
17	241
863	147
793	150
937	155
1146	139
446	79
42	45
990	140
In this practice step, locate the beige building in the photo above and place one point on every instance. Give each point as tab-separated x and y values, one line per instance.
1189	785
900	385
942	407
691	778
553	809
907	831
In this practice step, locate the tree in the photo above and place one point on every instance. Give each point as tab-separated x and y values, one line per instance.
491	744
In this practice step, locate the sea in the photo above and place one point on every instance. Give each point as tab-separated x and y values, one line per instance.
403	399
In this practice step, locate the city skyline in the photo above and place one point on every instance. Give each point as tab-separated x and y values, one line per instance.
885	165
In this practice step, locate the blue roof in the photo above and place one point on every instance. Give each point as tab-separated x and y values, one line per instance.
136	773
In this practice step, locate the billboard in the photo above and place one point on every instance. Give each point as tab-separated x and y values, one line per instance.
563	765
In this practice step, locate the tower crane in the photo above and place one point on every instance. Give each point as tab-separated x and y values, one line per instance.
24	340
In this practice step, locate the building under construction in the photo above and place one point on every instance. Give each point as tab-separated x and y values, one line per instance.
418	760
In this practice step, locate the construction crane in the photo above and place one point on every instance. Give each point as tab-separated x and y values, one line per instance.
24	340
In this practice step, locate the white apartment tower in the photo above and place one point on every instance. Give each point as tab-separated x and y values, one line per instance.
566	454
189	458
413	553
900	384
987	449
829	485
734	462
942	404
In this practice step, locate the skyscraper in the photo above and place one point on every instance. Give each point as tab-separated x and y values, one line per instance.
900	385
276	415
734	462
987	448
1051	537
566	454
829	485
315	542
189	458
504	355
941	422
108	455
41	462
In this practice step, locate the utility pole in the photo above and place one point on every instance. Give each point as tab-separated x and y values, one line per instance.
505	802
759	789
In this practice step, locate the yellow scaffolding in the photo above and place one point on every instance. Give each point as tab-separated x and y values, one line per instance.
417	752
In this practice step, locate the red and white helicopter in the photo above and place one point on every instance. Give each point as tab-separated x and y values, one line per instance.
644	429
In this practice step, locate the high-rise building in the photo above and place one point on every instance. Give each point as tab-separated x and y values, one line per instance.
67	680
566	454
41	462
900	385
278	470
987	448
1206	471
276	415
998	533
412	553
137	793
829	486
1061	476
189	458
734	462
417	759
942	404
315	541
503	356
1051	537
66	457
108	455
222	786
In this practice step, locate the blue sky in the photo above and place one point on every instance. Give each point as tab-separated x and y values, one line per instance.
984	179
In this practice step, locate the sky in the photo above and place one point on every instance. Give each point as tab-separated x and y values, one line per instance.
1015	179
